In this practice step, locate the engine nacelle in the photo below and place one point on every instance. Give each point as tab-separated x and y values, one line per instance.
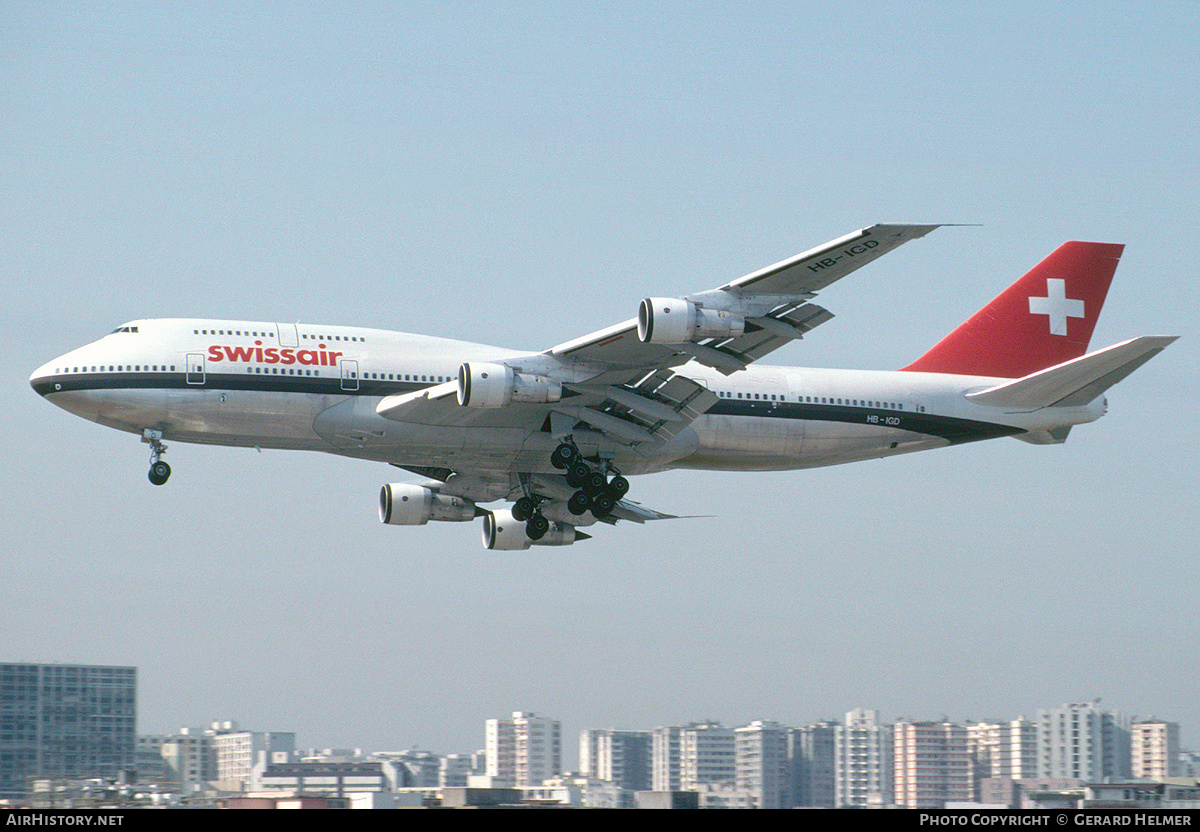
675	321
502	531
404	504
494	385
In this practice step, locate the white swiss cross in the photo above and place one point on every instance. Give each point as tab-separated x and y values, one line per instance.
1057	306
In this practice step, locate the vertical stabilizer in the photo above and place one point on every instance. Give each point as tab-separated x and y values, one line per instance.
1043	319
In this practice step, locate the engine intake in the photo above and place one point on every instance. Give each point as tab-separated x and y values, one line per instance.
675	321
495	385
404	504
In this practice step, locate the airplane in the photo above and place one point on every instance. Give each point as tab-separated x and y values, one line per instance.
556	434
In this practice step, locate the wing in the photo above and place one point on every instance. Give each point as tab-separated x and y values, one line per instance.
621	380
622	383
772	303
625	377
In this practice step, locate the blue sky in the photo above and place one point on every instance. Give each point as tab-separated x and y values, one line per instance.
519	174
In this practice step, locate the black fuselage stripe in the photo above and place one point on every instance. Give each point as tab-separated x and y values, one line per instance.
952	429
268	383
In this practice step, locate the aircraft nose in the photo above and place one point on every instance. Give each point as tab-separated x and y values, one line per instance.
38	380
42	380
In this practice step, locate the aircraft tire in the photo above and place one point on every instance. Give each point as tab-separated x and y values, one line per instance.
619	487
537	527
578	473
563	456
602	505
522	509
578	503
160	472
595	483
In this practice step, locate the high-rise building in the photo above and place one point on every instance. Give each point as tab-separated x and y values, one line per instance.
1189	763
239	753
500	746
65	721
190	757
863	760
588	749
931	764
453	770
706	755
664	752
761	763
812	752
685	756
1018	758
619	757
148	759
985	744
523	750
1080	740
1154	749
1002	750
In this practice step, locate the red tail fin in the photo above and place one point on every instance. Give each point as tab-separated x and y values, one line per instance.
1043	319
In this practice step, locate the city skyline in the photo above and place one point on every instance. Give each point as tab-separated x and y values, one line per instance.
570	735
520	175
76	724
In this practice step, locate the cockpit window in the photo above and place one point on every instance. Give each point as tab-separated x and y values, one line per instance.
124	329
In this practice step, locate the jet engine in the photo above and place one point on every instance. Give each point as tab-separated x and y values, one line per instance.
675	321
502	531
404	504
494	385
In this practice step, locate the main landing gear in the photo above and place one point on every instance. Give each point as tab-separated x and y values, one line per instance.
596	493
527	509
160	471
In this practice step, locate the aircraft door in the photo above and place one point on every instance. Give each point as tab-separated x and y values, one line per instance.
288	337
195	368
349	369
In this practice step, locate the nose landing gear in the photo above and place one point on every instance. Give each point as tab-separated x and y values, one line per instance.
160	471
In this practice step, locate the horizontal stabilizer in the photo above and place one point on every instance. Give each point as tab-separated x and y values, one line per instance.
1074	383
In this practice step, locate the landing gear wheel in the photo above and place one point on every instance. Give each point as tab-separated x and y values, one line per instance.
619	487
537	527
522	509
577	476
160	472
578	503
595	483
563	456
602	505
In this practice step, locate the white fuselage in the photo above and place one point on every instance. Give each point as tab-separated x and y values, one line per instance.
313	387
